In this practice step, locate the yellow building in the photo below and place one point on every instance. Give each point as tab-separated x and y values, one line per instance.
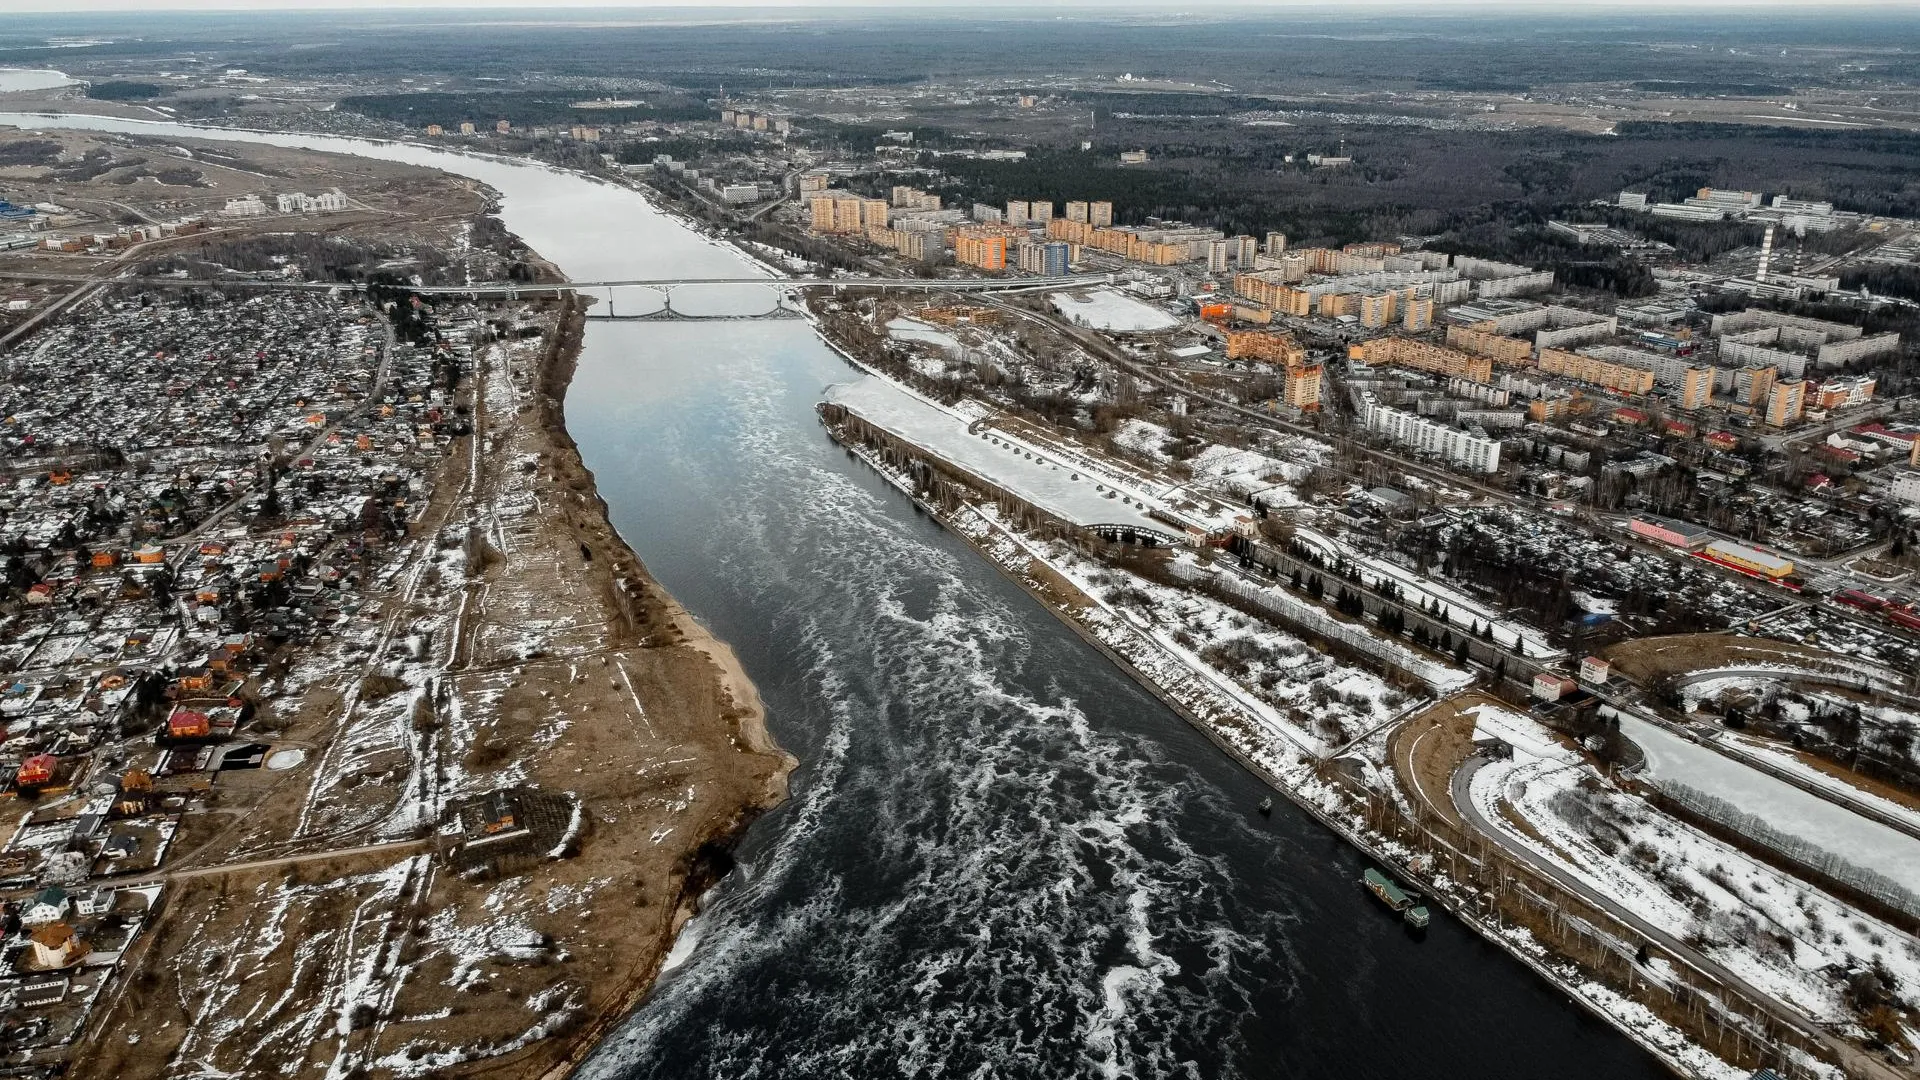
1420	356
1377	310
1515	352
1419	315
842	213
1696	388
1334	305
1268	289
1303	386
1622	378
1786	403
435	129
1752	385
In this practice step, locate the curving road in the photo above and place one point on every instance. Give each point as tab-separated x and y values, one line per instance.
1855	1061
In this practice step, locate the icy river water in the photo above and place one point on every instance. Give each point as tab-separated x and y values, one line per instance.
1002	858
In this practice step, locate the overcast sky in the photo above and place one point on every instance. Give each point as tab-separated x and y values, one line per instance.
1030	7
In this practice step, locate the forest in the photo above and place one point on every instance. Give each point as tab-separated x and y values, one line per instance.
523	108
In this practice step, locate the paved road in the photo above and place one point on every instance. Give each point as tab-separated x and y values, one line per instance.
1856	1062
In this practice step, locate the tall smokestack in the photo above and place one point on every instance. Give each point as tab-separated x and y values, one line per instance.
1766	255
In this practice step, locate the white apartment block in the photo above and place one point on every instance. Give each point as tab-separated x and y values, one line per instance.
1477	453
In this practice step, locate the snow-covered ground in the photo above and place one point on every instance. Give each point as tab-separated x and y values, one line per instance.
994	455
1106	309
1864	843
1772	930
915	330
1780	758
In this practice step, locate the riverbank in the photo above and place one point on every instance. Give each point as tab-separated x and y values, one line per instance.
558	672
1033	563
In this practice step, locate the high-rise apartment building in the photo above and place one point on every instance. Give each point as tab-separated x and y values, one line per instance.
1696	388
1216	256
1100	215
1752	385
1376	310
1276	244
1419	314
1076	211
1786	403
1051	259
841	212
1017	210
1302	388
981	249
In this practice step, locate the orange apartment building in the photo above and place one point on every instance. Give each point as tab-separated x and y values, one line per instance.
1279	349
1621	378
1267	289
1128	245
1420	356
1696	388
981	249
1303	386
842	213
1511	351
1786	403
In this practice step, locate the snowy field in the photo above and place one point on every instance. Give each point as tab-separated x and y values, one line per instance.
1771	930
1105	309
1787	808
993	455
915	330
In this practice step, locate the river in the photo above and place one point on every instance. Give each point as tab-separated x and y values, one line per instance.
1003	858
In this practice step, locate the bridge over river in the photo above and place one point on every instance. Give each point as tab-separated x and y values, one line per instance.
514	290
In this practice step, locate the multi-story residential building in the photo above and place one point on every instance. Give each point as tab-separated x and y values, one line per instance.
1245	250
1752	385
1017	211
912	198
1276	244
840	212
1302	386
1470	450
1039	211
1420	356
980	248
1100	215
1696	388
1377	310
1216	256
1849	390
1277	348
1512	351
1076	211
1619	377
1051	259
1786	403
1419	315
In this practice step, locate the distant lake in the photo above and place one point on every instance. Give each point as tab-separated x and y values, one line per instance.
14	79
